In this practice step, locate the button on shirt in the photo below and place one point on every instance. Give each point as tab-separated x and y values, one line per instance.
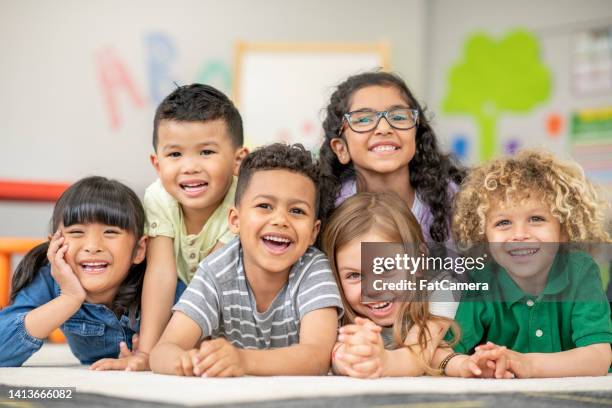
572	310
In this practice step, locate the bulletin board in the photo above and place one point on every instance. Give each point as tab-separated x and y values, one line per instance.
282	89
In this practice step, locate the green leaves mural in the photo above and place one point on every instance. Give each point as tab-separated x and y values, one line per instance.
494	77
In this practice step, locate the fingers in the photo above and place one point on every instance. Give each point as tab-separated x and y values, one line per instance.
54	246
500	366
135	342
367	322
219	366
228	372
349	358
210	353
473	368
109	364
362	337
368	367
350	371
124	351
487	346
363	350
184	364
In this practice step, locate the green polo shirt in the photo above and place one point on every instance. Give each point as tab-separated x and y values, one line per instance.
572	310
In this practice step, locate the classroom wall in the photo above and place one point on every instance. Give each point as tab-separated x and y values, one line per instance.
555	24
63	119
80	80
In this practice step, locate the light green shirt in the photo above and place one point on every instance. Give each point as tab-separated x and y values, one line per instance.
165	218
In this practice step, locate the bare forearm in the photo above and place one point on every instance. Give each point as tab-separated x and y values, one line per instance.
301	359
593	360
157	297
163	358
403	363
41	321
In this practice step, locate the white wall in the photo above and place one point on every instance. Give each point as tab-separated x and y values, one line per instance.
55	122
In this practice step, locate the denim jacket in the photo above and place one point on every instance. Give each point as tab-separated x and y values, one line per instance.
93	332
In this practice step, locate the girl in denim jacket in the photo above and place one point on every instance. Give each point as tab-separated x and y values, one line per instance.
86	279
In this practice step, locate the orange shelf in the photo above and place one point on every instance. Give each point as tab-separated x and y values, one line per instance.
31	190
9	247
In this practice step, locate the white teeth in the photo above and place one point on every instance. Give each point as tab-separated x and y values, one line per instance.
381	305
523	252
94	264
384	148
193	185
277	239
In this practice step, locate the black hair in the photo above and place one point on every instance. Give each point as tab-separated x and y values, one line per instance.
280	156
90	200
430	170
199	103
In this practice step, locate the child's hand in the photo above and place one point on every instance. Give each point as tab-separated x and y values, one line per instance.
129	360
183	365
218	358
62	272
362	353
484	364
514	362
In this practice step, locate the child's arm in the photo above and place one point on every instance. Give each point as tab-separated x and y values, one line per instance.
404	362
35	313
175	352
41	321
310	357
360	350
157	299
592	360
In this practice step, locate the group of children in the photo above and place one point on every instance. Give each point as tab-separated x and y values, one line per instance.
253	259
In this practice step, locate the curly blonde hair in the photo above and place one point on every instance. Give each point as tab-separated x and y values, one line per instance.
561	185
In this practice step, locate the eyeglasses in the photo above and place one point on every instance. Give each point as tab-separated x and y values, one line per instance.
365	121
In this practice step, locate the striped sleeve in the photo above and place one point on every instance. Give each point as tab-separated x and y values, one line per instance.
318	288
200	302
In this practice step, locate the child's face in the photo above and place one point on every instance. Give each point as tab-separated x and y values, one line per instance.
101	256
524	239
348	262
195	162
384	149
276	220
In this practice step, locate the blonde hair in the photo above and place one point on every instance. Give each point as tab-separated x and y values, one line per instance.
390	216
561	185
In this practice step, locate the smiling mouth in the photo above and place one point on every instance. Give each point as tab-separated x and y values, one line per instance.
94	267
523	252
384	148
276	244
193	188
380	307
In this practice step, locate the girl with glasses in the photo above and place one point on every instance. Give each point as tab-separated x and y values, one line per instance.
377	138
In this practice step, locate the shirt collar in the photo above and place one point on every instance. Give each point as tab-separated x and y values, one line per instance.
558	280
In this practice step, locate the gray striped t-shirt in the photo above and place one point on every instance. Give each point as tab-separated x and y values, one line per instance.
219	299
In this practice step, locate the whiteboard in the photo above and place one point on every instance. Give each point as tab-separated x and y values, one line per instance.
282	89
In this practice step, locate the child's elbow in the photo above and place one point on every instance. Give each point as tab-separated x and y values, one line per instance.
155	360
602	365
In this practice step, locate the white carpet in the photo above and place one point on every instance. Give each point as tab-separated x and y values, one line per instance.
199	391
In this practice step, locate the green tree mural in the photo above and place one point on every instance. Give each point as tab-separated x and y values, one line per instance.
495	77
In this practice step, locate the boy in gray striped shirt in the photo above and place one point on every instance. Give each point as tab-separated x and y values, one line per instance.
266	303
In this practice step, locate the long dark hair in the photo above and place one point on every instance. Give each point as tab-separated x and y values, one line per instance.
89	200
430	170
